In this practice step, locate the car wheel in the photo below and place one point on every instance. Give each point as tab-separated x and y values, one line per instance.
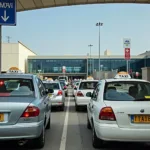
49	123
40	141
88	123
96	142
62	107
66	94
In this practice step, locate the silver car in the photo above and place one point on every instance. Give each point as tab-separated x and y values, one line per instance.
24	111
58	96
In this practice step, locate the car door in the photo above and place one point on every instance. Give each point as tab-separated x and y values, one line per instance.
91	103
44	98
94	106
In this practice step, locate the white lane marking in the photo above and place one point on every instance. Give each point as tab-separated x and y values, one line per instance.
64	134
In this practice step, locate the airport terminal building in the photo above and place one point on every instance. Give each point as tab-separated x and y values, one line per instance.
76	66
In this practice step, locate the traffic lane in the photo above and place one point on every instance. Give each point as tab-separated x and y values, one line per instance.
86	137
53	136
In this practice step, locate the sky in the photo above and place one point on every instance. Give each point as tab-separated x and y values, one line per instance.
69	30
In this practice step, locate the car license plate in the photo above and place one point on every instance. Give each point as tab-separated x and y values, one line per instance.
140	118
1	117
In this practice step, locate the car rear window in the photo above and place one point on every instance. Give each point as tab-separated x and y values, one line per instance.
87	85
127	91
16	87
54	86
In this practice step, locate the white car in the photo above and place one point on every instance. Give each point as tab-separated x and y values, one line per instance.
58	96
119	110
76	84
84	87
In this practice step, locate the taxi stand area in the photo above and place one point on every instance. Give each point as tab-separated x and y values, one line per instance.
106	115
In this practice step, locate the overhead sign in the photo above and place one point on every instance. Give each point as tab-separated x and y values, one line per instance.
127	43
127	53
8	12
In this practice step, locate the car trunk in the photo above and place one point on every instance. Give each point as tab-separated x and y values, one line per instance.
11	108
129	114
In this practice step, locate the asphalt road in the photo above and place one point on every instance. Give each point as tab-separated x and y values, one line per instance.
69	132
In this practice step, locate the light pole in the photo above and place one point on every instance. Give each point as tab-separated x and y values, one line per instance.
90	59
99	24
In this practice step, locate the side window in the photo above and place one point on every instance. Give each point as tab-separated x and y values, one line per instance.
41	88
95	92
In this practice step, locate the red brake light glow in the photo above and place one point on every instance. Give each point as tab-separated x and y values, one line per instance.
1	83
31	111
59	93
107	113
79	93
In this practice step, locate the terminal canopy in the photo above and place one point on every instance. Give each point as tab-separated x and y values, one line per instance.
23	5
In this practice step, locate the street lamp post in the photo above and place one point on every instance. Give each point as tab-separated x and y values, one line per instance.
99	24
90	59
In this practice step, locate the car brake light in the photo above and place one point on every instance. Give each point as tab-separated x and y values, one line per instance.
31	111
79	93
59	93
107	113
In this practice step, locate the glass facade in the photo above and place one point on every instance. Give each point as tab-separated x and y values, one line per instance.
55	65
80	65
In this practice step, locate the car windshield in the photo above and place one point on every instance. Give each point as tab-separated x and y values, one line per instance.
62	84
16	87
54	86
87	85
127	91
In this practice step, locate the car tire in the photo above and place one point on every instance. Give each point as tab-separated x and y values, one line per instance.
62	107
96	142
66	94
88	123
49	123
40	141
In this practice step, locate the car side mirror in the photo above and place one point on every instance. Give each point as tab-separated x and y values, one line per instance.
50	91
75	88
89	94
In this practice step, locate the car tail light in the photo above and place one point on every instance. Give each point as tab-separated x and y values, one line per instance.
107	113
79	93
31	111
59	93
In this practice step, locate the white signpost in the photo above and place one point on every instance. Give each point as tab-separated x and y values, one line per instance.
127	46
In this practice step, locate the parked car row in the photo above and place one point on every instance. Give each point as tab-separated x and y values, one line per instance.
117	109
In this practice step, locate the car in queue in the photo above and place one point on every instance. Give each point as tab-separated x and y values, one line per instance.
64	87
85	86
76	84
57	95
25	111
119	110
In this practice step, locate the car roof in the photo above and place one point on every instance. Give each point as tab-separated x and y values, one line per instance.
135	80
17	75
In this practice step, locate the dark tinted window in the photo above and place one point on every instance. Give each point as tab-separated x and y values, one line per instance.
16	87
127	91
54	86
88	85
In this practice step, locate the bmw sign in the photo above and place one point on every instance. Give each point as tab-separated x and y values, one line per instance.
126	43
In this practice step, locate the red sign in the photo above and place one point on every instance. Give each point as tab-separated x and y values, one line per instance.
127	53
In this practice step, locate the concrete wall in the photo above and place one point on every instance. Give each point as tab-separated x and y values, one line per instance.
15	55
146	73
104	74
24	52
10	55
